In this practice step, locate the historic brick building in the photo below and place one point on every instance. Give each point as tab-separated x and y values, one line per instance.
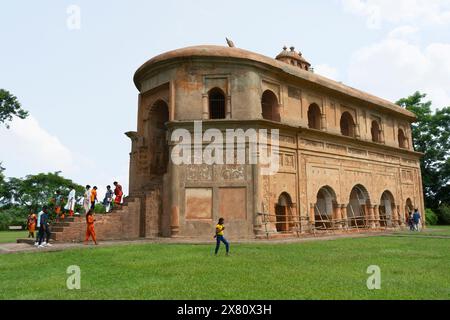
346	157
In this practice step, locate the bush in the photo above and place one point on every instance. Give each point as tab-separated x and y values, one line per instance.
14	216
99	208
431	218
444	214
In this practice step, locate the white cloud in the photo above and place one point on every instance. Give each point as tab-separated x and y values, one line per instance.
399	11
326	71
395	68
27	147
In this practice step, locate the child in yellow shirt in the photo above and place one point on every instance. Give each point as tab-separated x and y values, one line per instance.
220	236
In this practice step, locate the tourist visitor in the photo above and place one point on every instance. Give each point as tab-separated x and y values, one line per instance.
44	229
416	219
107	201
57	202
220	236
93	197
38	226
411	221
118	193
31	224
90	231
70	205
87	199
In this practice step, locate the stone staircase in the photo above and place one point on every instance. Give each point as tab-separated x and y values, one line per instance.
120	224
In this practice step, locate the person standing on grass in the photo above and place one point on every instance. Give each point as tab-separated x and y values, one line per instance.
44	230
118	193
70	205
90	231
87	199
411	221
38	225
416	219
107	201
31	224
220	236
93	197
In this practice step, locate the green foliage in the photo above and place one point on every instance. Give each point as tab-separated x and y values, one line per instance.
13	216
431	218
431	134
444	214
99	208
20	195
10	107
38	190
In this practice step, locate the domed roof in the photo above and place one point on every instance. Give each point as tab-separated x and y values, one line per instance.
283	62
293	57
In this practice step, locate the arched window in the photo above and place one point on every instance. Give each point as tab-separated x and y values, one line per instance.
270	107
376	131
314	117
347	125
158	117
216	104
402	142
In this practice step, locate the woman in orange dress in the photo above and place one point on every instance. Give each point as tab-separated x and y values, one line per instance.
90	231
31	224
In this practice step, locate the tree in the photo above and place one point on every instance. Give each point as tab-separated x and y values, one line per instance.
431	135
37	190
10	107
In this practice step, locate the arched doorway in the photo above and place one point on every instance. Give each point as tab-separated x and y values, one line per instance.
284	215
158	117
402	141
376	132
347	125
314	117
216	104
357	206
270	107
323	210
387	208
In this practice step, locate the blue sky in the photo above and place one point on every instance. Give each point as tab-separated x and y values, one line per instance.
77	84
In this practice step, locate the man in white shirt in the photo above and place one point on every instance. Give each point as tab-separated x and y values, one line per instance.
38	226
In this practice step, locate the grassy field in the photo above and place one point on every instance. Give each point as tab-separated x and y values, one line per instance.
12	236
411	268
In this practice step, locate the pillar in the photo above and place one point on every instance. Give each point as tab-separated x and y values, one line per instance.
337	216
395	219
343	208
174	199
371	217
312	216
376	210
228	107
205	104
258	227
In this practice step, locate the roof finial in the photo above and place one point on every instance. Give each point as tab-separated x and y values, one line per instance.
285	48
292	49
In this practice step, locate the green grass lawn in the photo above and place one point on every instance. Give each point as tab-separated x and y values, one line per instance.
12	236
411	268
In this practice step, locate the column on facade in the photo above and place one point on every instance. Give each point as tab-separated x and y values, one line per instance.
337	217
258	227
376	210
395	219
205	105
228	107
343	208
371	216
312	216
174	205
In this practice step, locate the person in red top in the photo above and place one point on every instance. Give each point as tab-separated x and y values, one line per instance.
90	231
118	193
